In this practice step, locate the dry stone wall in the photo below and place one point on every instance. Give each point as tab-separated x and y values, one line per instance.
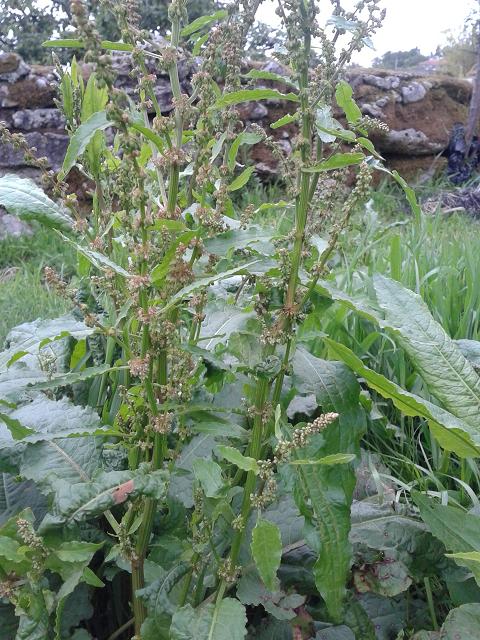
420	112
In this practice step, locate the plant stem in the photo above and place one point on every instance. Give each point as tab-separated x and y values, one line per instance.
431	606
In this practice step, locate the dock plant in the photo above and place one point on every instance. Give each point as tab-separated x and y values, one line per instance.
178	461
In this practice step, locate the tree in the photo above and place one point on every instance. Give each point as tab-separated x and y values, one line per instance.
25	24
400	59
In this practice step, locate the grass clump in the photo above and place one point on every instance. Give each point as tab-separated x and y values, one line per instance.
24	296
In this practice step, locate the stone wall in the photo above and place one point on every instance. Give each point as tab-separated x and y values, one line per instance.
420	112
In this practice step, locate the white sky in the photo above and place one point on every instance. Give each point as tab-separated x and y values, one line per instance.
409	24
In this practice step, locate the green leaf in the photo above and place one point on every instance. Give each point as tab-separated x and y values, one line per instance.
211	622
203	21
31	337
75	503
200	283
209	474
245	137
266	547
249	95
181	484
257	74
324	493
149	134
343	96
160	271
24	199
67	379
452	433
287	119
79	44
242	179
334	458
461	623
470	560
83	135
471	350
448	375
235	239
337	161
17	429
157	600
235	457
97	259
457	530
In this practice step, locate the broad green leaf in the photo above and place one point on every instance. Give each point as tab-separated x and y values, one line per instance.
71	43
75	503
324	492
242	179
452	433
457	530
18	430
24	199
228	621
449	376
471	350
337	161
328	128
67	379
157	600
82	136
221	320
461	623
209	474
181	484
249	95
235	239
257	74
334	458
343	96
203	21
251	590
386	577
239	460
97	259
207	281
245	137
266	547
287	119
31	337
470	560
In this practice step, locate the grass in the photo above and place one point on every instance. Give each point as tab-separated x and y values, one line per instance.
23	294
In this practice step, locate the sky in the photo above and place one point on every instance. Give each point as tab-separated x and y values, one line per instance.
408	24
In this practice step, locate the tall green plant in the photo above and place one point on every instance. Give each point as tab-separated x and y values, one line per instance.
212	421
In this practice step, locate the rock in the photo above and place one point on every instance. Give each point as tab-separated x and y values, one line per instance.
413	92
50	145
12	226
387	83
408	142
31	91
257	111
12	67
372	110
43	118
272	66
